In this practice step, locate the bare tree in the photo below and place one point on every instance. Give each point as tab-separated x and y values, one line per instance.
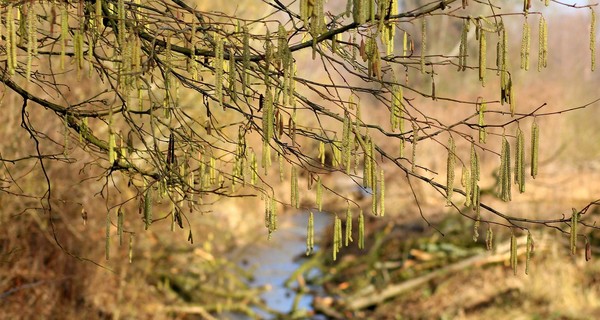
192	105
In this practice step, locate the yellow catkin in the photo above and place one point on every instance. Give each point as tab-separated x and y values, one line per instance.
513	252
270	215
11	40
148	208
464	46
121	22
346	141
348	234
423	43
543	44
31	39
381	193
253	169
64	32
593	38
218	65
273	209
310	234
520	161
337	224
367	165
361	230
374	192
466	183
98	15
525	46
529	252
130	253
414	146
535	144
405	44
450	170
337	154
107	244
322	152
245	57
396	107
295	201
281	168
505	176
111	148
489	239
574	222
482	55
476	225
505	82
482	131
120	218
526	5
231	76
475	172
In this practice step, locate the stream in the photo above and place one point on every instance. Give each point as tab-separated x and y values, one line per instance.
274	262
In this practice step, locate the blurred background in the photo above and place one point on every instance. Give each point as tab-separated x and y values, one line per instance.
420	262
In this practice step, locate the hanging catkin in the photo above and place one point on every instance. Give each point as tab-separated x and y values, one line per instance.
310	234
574	222
337	240
482	55
482	132
405	44
148	208
535	143
520	161
64	32
476	225
322	152
450	170
530	246
543	44
464	46
474	161
120	218
361	230
513	252
505	176
131	247
270	215
319	194
31	39
423	43
218	65
348	234
525	45
346	141
111	148
295	195
593	38
381	193
107	244
11	40
489	239
396	112
414	145
245	57
466	183
368	164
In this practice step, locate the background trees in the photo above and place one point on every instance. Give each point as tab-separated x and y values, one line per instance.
174	107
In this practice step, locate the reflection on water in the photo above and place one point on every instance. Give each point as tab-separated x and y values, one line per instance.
274	263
